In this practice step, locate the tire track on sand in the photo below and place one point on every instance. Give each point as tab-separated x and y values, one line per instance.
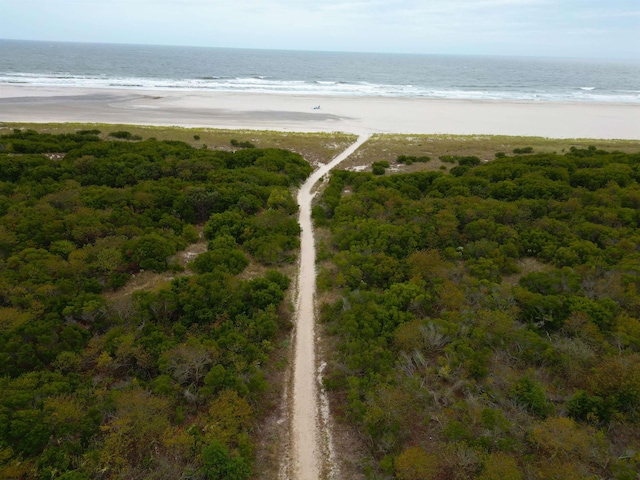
309	447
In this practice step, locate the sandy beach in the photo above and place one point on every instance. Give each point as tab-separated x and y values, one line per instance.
360	115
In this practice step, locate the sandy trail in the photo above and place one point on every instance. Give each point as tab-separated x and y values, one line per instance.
308	453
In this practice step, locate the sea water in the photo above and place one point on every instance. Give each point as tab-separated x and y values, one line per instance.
148	67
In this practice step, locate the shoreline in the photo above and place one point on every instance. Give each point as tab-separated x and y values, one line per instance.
296	113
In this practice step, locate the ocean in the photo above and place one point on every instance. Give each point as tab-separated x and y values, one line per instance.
317	73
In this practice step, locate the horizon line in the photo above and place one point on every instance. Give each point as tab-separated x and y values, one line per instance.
550	57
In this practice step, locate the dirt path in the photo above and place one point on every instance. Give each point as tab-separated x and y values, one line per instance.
310	447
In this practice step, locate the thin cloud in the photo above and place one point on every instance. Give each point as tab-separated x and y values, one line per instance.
428	26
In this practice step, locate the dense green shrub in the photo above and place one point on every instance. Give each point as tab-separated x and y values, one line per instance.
523	150
124	135
244	144
475	306
411	159
94	384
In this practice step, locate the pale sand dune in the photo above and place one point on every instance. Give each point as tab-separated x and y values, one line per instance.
296	113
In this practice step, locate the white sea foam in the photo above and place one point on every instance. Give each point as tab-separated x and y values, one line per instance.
261	84
317	73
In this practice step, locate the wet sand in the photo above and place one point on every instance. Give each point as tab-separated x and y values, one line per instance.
296	113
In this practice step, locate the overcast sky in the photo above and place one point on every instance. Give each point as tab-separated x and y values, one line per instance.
566	28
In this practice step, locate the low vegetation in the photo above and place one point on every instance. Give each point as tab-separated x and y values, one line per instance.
314	147
163	383
486	321
481	308
424	152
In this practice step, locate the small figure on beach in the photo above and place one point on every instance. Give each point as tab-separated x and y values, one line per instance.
317	108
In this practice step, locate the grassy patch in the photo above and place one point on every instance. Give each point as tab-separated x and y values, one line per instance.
386	147
314	147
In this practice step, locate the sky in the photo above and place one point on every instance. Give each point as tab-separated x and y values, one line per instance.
558	28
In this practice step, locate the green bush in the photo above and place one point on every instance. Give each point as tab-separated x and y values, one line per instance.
219	464
151	252
410	159
232	261
469	161
124	135
523	150
530	394
379	168
245	144
582	406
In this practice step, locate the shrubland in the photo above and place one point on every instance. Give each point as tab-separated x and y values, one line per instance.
486	321
317	147
161	383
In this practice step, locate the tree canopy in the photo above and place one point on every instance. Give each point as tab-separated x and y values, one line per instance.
98	382
487	319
